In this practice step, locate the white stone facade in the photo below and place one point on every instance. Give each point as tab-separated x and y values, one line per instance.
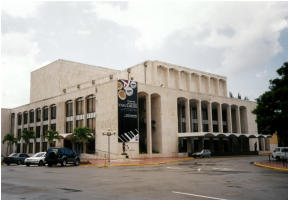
180	102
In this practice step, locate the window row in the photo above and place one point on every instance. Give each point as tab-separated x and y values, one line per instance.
79	106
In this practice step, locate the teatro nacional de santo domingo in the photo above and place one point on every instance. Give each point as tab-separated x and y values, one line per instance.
157	109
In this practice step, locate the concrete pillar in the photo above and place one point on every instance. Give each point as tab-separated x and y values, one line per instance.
22	128
149	126
220	118
238	123
15	132
41	128
34	128
229	119
85	112
188	119
49	118
74	114
199	113
210	120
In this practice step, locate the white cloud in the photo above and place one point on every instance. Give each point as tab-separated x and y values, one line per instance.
23	9
247	33
19	53
261	74
83	32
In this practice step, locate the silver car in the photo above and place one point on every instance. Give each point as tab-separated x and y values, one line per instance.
37	159
203	153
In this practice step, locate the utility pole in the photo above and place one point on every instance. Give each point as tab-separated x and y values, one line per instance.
108	134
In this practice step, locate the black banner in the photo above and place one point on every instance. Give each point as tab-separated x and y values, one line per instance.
127	111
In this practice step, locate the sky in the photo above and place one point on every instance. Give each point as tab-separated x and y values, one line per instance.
244	41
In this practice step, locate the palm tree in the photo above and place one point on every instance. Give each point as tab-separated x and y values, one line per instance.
27	135
10	139
51	135
81	135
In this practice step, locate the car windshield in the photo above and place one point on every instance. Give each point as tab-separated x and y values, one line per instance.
39	155
13	154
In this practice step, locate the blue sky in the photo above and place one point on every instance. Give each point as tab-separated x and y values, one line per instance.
245	41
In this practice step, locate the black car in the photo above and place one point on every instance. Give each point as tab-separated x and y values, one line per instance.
17	158
62	156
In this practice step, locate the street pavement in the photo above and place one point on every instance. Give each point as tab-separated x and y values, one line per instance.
212	178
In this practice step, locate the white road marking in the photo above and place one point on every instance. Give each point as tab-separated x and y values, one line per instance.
175	168
222	169
203	196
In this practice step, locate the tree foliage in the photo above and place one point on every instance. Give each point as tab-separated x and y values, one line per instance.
51	135
10	139
27	135
81	135
272	107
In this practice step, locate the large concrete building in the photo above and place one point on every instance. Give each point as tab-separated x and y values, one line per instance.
180	110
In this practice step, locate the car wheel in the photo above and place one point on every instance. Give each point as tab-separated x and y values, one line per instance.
18	162
76	162
27	164
63	163
40	163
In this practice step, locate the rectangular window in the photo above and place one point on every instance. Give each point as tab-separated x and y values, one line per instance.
12	122
19	119
91	124
69	127
38	115
37	148
90	107
31	116
18	133
25	117
38	131
45	114
79	107
53	112
31	128
44	146
69	109
53	127
79	123
30	147
45	129
18	148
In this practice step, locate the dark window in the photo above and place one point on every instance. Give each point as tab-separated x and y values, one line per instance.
38	115
30	147
90	105
31	128
53	112
38	131
69	108
19	119
25	115
44	146
204	114
31	116
45	129
37	147
18	148
91	124
69	127
18	133
45	114
79	106
53	127
12	122
79	123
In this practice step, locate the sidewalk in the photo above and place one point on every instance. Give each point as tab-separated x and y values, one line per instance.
276	165
132	162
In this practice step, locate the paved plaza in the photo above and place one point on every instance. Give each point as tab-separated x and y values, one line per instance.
210	178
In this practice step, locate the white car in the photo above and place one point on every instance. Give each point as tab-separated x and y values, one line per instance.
280	153
37	159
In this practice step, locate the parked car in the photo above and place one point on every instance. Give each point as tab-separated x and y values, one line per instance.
37	159
280	153
203	153
62	156
17	158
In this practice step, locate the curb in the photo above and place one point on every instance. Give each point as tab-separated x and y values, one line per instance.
270	167
139	164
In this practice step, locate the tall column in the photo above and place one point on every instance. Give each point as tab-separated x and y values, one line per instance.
238	123
220	118
15	132
41	129
85	112
49	118
22	128
149	126
210	120
74	114
189	80
229	119
199	113
188	119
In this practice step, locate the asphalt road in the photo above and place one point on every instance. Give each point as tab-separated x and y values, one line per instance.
213	178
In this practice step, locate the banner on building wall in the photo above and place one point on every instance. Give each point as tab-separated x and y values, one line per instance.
127	111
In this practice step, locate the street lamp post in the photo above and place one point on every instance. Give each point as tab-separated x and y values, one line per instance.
108	134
